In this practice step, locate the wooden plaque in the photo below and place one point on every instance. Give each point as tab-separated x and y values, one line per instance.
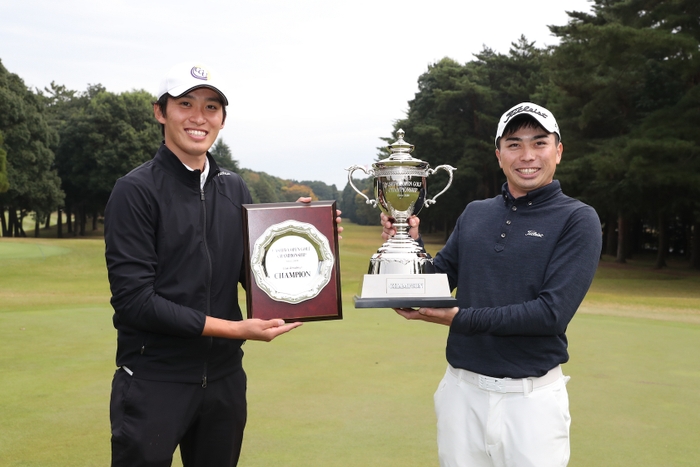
291	250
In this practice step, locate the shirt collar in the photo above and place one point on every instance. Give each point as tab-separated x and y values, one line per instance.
203	175
534	196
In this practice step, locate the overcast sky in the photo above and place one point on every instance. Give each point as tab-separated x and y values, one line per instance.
313	84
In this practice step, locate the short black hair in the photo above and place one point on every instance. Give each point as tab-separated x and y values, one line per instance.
523	121
162	103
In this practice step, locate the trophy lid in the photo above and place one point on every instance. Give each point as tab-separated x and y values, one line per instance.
400	147
401	153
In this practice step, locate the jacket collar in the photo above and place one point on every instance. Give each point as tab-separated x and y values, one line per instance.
172	165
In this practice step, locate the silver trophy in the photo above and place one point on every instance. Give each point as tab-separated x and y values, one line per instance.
401	273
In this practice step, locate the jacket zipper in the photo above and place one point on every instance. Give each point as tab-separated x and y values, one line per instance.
208	308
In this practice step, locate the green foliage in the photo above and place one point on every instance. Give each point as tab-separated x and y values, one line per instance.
31	180
364	212
625	91
354	206
265	188
224	157
623	84
321	190
292	191
453	117
103	136
4	184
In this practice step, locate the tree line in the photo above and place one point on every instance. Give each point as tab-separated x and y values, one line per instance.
61	151
624	84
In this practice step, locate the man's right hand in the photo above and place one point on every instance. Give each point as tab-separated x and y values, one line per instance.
431	315
389	230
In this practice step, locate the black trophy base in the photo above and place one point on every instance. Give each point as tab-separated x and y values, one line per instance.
405	302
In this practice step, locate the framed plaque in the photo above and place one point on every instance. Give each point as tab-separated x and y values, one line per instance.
292	253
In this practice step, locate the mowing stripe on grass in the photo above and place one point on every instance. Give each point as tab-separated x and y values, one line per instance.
21	250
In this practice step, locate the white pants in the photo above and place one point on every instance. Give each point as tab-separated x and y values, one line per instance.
484	426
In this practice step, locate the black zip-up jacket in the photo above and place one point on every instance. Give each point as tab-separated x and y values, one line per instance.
174	255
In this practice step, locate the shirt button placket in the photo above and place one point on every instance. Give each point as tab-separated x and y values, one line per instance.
508	222
501	242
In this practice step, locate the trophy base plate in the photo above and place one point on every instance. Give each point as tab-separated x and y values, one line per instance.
405	291
405	302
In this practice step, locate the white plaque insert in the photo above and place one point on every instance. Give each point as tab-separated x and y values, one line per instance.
292	261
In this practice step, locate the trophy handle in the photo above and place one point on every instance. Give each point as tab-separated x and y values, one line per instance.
447	168
352	169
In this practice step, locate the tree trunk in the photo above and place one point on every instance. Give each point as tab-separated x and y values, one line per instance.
695	246
611	236
20	224
634	230
621	239
47	224
37	227
12	221
5	232
663	242
69	215
83	219
94	220
59	224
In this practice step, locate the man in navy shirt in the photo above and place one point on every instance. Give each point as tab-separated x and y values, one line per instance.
521	262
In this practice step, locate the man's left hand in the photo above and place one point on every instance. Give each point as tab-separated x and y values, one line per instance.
338	220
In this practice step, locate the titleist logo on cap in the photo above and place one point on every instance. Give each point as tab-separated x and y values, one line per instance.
523	108
199	73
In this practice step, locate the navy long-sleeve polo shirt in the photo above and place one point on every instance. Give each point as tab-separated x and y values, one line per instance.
521	268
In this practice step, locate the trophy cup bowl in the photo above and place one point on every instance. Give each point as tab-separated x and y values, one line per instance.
400	191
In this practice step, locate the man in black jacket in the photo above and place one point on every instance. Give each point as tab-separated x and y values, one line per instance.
174	251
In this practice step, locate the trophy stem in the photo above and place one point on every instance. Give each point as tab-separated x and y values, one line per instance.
401	254
401	226
402	241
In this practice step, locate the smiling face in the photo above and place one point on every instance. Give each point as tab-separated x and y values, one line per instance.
529	158
191	124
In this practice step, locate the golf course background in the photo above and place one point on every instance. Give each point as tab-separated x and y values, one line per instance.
353	392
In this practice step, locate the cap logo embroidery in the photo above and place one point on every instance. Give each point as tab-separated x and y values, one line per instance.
532	233
521	109
199	73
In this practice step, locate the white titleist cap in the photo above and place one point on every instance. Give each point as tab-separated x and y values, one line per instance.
185	77
542	115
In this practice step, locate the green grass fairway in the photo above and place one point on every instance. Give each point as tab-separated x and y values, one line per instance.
352	393
26	250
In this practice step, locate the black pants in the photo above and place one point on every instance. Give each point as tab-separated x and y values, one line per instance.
150	418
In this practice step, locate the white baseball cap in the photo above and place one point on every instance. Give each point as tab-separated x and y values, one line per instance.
187	76
539	113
